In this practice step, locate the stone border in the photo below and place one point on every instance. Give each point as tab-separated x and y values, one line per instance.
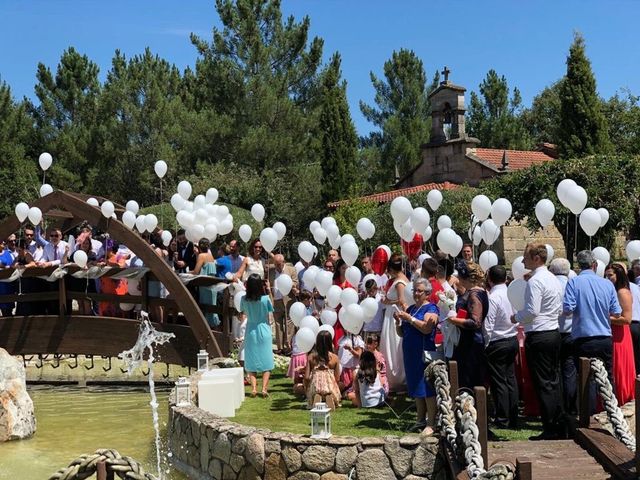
215	448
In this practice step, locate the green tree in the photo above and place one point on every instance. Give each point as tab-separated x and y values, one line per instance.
494	118
401	112
583	130
542	120
338	135
622	115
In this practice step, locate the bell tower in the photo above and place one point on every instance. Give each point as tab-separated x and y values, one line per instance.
447	111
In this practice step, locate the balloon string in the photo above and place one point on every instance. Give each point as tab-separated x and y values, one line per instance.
575	237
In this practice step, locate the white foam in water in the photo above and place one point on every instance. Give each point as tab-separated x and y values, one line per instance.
147	338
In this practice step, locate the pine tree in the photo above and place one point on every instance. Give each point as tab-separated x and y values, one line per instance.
583	130
339	139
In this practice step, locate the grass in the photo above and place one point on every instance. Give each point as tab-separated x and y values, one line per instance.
283	411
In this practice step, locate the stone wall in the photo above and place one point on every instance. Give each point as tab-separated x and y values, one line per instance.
515	236
209	447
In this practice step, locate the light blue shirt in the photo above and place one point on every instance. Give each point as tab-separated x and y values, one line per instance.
591	299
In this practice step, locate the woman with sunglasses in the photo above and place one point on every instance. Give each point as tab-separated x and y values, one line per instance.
416	326
253	263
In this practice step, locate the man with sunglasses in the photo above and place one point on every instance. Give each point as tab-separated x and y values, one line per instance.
55	250
35	250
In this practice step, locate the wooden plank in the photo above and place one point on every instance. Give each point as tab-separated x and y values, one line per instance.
480	395
584	396
453	379
524	469
608	451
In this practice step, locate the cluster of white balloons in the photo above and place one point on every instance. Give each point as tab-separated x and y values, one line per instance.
34	214
409	221
327	230
574	197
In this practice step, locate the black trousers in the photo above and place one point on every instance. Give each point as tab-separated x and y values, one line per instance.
595	347
543	357
501	357
635	337
569	377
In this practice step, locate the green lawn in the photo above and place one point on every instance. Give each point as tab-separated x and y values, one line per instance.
282	411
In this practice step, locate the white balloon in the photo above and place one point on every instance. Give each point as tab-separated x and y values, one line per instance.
184	189
332	230
311	323
237	299
545	211
481	207
590	221
515	294
185	219
132	206
327	328
550	253
222	212
309	277
177	202
334	242
257	212
353	275
477	235
269	238
347	237
443	222
305	250
326	221
354	318
457	247
280	229
602	254
604	216
349	252
212	195
487	260
210	231
600	269
166	237
140	224
297	312
563	189
333	296
518	269
370	308
45	189
129	219
35	215
305	340
319	235
408	295
434	199
199	202
107	208
328	317
245	232
160	167
196	232
226	226
188	206
284	284
420	219
446	240
348	296
407	232
80	258
365	228
323	281
490	231
22	211
426	235
45	160
133	287
93	202
576	199
201	216
401	209
633	250
150	222
501	211
313	225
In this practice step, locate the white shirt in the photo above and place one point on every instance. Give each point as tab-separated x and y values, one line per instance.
54	253
635	308
542	302
497	324
347	360
566	319
36	251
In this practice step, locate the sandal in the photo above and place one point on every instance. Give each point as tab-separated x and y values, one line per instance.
427	432
265	394
253	394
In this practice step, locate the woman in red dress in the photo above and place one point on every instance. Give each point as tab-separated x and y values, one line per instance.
624	370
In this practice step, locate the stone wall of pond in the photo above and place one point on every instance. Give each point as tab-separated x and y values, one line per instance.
205	446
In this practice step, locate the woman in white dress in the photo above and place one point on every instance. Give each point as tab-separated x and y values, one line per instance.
252	263
390	342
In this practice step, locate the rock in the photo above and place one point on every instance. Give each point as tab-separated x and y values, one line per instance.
346	459
423	460
415	477
237	462
292	459
400	457
373	464
333	476
275	468
248	473
239	445
17	420
204	455
271	446
222	448
318	458
304	476
215	468
254	451
228	473
628	410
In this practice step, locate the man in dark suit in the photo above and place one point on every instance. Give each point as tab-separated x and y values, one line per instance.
186	255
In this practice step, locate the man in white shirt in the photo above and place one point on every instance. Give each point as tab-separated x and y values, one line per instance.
543	306
501	348
54	253
35	249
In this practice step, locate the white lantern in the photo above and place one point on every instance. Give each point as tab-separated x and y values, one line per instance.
203	361
183	392
320	421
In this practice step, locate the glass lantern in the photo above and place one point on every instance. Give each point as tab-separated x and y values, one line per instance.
320	421
203	361
183	392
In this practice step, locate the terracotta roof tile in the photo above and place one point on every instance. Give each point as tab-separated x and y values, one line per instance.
384	197
518	159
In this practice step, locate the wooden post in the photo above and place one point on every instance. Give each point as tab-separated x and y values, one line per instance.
637	455
481	408
584	392
453	379
101	471
524	469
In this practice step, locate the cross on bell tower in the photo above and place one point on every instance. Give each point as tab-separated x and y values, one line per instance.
445	73
447	111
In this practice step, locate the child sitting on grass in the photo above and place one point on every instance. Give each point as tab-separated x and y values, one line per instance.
368	389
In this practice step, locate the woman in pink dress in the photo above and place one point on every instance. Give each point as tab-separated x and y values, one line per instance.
624	370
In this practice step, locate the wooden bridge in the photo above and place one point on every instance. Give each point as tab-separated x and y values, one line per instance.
594	453
71	333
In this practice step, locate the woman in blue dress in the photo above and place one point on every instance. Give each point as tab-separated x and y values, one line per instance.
258	343
417	327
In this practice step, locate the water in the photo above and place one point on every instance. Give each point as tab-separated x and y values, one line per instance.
74	420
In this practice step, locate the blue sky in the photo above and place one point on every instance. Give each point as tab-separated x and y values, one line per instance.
525	41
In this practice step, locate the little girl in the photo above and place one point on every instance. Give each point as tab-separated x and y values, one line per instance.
239	340
350	347
369	392
297	365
